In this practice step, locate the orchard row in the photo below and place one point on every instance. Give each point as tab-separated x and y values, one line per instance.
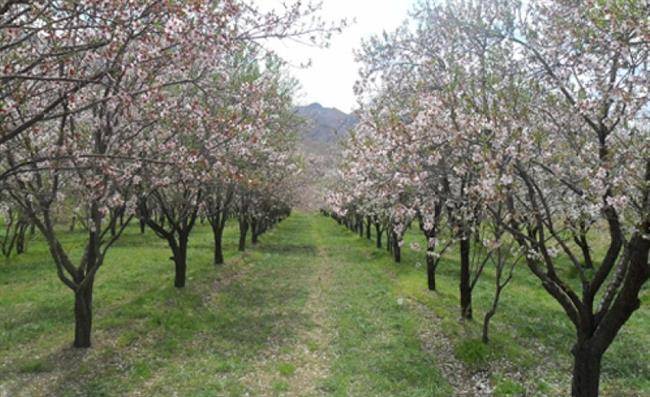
519	134
157	111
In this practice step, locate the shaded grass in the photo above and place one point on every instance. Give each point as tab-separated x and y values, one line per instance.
148	336
152	339
530	331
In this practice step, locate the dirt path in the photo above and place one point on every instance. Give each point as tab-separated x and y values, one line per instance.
466	383
298	368
313	350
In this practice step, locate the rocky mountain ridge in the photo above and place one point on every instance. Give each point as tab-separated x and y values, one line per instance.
325	125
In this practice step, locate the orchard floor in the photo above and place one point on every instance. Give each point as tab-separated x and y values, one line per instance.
313	310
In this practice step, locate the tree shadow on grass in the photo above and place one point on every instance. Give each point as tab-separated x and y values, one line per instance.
164	328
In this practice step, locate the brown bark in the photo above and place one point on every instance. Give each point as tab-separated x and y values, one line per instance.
180	260
243	232
217	226
465	286
397	250
389	241
21	245
431	272
586	370
83	315
378	233
254	232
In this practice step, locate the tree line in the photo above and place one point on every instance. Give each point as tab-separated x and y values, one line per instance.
516	133
165	113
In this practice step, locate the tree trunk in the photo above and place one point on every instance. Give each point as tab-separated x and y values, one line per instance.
397	250
465	287
180	266
180	262
368	223
431	272
586	370
143	223
497	295
218	251
586	254
83	315
20	239
379	232
254	232
217	233
243	231
389	241
488	316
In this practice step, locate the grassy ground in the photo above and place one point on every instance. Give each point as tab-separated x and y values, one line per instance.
312	310
531	337
297	315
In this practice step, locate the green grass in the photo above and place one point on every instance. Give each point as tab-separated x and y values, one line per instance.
506	387
286	369
530	331
148	336
377	350
249	328
210	338
473	352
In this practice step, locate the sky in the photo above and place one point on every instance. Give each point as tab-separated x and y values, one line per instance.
330	78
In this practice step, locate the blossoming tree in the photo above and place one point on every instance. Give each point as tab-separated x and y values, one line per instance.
536	119
88	108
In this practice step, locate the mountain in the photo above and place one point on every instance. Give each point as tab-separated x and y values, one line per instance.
325	125
321	132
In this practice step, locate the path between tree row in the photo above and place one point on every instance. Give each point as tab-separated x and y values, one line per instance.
358	338
313	310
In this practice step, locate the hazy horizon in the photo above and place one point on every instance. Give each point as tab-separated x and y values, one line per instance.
330	79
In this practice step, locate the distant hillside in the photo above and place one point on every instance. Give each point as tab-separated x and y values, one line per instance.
325	125
324	128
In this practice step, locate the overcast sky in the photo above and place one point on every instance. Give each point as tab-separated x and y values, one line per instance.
331	77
